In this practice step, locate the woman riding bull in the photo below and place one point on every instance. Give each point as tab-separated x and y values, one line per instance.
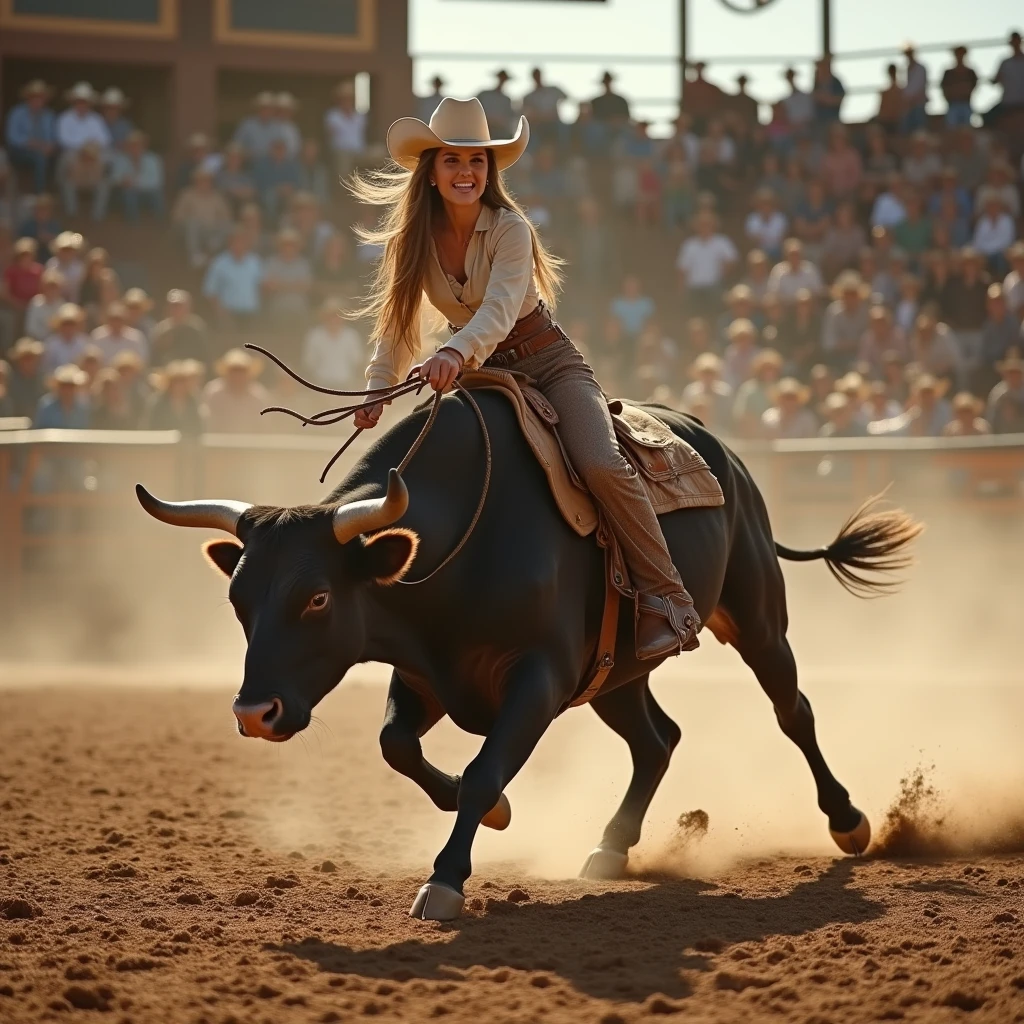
454	235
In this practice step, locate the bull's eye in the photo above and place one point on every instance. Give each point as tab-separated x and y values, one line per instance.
318	603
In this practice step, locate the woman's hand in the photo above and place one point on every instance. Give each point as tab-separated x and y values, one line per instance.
441	369
367	416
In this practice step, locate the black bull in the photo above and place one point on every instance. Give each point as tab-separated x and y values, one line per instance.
500	639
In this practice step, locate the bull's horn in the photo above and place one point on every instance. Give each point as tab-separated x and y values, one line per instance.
209	515
372	513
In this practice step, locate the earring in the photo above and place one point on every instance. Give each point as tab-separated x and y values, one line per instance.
433	184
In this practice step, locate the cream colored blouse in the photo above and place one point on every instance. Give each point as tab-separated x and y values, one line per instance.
499	290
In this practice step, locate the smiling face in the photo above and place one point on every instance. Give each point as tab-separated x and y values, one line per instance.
460	175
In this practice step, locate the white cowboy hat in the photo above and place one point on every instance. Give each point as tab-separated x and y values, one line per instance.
460	123
113	97
81	92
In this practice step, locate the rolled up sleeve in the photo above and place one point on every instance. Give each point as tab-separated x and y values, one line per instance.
511	273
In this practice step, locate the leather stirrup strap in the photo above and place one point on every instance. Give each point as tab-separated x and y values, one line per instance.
604	659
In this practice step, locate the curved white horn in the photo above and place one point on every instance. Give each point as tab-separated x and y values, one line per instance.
209	515
372	513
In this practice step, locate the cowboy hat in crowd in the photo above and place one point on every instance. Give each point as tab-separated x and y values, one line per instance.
37	87
114	97
238	359
81	92
69	374
790	387
461	123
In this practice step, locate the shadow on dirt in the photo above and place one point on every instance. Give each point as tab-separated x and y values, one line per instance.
623	945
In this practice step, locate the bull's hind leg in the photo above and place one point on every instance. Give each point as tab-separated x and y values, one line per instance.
406	718
635	715
773	663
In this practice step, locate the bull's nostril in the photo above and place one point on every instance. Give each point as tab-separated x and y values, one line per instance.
274	712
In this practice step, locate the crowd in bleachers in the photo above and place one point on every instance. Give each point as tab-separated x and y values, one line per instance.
795	277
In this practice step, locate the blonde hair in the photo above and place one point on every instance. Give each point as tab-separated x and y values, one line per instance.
414	209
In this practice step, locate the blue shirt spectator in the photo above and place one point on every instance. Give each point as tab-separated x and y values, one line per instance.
632	309
31	132
234	277
278	176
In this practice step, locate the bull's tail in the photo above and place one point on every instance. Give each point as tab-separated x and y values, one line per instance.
871	540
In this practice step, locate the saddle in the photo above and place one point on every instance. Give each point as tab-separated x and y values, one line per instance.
673	473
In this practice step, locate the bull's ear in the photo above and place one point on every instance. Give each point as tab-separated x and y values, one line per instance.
223	555
386	556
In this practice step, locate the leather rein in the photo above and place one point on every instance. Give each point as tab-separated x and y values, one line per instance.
328	417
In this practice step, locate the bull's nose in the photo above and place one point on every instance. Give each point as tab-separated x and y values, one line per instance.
258	720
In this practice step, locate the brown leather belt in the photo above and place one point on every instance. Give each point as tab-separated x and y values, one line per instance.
531	334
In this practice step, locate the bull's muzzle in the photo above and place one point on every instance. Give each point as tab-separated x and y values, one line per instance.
259	720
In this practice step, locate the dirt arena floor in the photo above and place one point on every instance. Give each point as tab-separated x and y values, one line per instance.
154	867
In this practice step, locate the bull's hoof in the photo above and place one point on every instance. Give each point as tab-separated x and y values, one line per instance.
856	841
500	815
437	902
605	864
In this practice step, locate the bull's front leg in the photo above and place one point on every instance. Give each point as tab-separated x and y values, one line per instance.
532	699
407	717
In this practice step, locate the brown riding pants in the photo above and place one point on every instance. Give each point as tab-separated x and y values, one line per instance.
585	427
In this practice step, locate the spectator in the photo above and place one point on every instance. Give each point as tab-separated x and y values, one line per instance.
312	172
345	128
1010	77
278	178
799	105
233	181
740	305
20	282
890	102
741	103
934	349
172	405
879	162
233	282
111	408
609	108
540	106
134	385
879	406
965	297
285	105
498	107
967	420
233	399
894	377
766	224
754	396
1000	180
139	175
704	261
927	412
788	417
908	304
31	133
65	407
25	383
889	208
921	165
335	269
199	157
708	385
794	273
880	339
632	308
333	354
43	307
841	167
41	224
842	419
740	352
828	94
80	124
702	99
261	129
113	104
96	261
800	337
181	335
994	231
115	336
428	104
846	320
915	92
67	258
109	288
1000	333
1013	286
843	241
287	281
67	340
813	218
85	169
679	196
90	363
967	158
958	85
137	305
203	215
913	234
758	269
1005	408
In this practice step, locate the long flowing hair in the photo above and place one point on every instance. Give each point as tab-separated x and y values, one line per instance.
413	210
